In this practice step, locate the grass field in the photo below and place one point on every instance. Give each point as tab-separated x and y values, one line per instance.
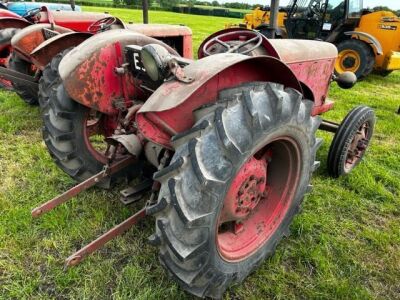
345	244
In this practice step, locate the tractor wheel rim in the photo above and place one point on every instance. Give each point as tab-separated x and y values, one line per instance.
258	199
4	62
97	126
357	147
6	84
348	60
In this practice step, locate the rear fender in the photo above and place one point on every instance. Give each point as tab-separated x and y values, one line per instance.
89	71
13	22
368	38
43	53
30	37
8	13
169	110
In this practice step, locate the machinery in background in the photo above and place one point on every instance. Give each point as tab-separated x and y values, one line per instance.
366	40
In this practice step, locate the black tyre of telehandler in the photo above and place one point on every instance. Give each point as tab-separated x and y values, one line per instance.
355	56
250	127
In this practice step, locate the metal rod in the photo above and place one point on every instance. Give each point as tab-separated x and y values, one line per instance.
18	77
64	197
273	21
329	126
145	6
78	256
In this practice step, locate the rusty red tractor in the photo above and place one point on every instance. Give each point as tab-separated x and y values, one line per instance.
224	146
20	35
34	46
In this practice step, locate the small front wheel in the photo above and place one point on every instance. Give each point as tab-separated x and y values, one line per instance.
351	141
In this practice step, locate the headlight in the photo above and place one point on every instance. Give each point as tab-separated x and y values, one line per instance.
155	60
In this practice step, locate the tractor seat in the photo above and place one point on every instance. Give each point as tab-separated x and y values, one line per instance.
295	51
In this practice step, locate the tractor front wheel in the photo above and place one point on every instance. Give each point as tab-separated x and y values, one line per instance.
351	141
355	56
233	186
29	95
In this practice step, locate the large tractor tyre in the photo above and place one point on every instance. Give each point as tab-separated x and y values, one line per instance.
233	186
351	141
50	78
74	136
355	56
383	73
28	94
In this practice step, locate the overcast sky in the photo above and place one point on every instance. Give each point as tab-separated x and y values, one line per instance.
393	4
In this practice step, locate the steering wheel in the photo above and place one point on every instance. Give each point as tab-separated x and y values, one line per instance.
32	13
258	38
315	7
102	24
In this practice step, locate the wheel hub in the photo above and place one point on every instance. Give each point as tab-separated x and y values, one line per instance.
246	191
357	146
258	199
250	194
349	62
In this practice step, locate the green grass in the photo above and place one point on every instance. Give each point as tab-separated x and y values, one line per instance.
345	243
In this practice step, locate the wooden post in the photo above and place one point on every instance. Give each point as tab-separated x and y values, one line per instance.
72	4
145	4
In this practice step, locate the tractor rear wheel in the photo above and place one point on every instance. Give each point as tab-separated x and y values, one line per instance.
29	95
74	134
351	141
50	78
233	186
355	56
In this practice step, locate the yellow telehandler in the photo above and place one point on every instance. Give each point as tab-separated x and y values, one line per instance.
366	40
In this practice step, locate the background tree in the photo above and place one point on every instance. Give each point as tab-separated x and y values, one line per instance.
169	3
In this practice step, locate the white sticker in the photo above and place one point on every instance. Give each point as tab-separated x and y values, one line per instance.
327	26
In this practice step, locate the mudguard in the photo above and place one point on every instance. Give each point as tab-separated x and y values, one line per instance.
169	110
29	38
43	53
7	13
311	61
89	70
370	38
13	22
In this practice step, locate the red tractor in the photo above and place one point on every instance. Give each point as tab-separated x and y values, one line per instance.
226	144
47	23
36	45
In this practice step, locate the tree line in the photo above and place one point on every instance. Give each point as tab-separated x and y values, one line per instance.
172	3
168	4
